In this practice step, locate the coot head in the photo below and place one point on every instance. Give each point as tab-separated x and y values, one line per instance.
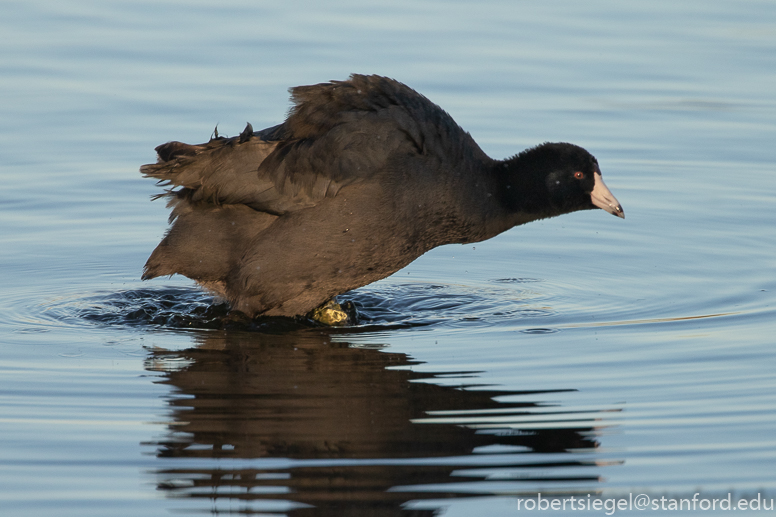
557	178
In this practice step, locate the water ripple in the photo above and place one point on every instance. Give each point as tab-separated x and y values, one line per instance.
382	305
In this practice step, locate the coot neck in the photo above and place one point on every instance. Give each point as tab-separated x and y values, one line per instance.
523	192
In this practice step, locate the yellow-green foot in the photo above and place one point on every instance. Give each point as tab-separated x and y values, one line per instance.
334	314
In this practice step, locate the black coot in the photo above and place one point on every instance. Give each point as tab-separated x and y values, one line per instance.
362	178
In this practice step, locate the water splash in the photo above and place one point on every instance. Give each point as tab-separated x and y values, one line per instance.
382	305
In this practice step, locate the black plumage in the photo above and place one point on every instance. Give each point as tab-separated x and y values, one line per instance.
362	177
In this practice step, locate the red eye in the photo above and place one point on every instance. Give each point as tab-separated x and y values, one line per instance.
579	175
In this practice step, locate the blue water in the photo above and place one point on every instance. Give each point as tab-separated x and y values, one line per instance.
582	355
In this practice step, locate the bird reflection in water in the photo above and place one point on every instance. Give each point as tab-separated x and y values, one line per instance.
300	424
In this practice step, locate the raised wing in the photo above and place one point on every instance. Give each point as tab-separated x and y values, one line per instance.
336	134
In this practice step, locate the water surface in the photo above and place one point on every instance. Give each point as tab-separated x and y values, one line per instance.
582	355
